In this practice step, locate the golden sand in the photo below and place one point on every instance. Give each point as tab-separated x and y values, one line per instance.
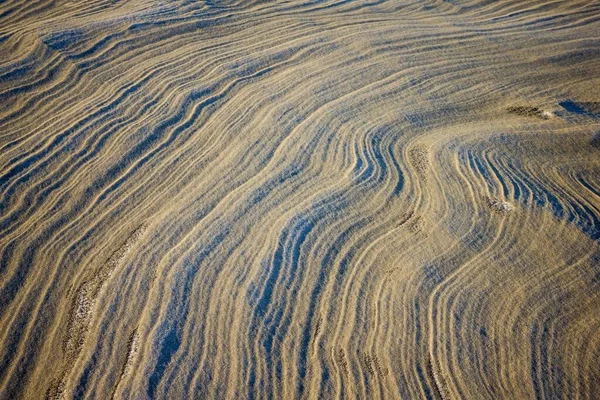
300	199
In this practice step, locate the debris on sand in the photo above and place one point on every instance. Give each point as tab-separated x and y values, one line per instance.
419	156
381	369
499	206
56	391
342	360
369	364
86	295
79	322
133	345
416	225
83	309
440	380
525	111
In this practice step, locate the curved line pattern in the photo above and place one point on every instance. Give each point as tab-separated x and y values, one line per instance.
299	199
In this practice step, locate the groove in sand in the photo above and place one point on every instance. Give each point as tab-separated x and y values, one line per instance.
343	199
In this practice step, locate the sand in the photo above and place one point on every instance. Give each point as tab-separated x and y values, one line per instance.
299	199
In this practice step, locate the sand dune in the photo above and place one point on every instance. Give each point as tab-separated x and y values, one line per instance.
300	199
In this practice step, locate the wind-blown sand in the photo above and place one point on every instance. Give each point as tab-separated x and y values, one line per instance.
300	199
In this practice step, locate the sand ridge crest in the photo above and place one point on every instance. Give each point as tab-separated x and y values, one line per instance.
299	199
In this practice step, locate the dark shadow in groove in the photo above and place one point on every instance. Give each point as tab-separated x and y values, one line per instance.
170	345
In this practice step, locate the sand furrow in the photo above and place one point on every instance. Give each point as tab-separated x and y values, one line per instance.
342	199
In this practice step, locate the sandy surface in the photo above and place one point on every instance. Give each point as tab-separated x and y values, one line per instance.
300	199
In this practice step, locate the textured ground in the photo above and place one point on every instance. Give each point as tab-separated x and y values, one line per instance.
300	199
